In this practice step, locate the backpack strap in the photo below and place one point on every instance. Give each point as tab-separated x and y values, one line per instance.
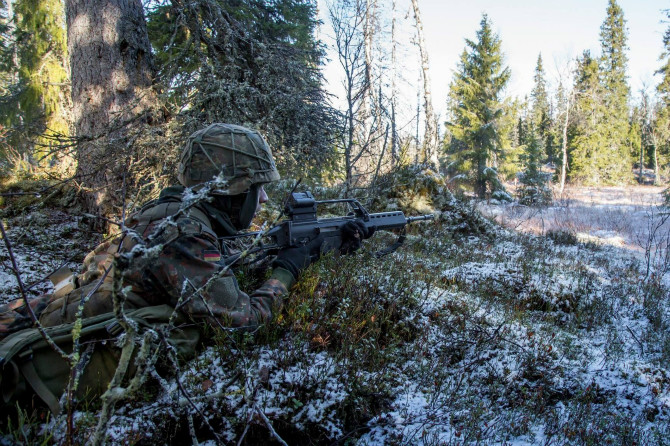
17	351
29	372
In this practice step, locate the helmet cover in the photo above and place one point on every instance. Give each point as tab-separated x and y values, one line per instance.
240	155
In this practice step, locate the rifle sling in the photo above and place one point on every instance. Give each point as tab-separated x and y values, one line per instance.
398	243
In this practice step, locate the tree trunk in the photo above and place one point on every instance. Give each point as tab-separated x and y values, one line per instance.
418	119
657	179
394	89
112	73
11	30
368	36
564	145
430	136
480	182
640	178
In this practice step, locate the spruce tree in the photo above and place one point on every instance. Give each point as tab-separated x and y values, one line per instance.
540	112
5	46
245	61
477	111
587	143
600	150
661	125
663	88
616	156
534	190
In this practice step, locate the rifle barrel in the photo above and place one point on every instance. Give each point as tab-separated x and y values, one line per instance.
420	218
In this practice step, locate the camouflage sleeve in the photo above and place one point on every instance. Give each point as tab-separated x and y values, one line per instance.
14	316
191	274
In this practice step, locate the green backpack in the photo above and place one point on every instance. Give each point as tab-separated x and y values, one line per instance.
29	366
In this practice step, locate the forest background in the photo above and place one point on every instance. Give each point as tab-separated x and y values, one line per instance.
166	69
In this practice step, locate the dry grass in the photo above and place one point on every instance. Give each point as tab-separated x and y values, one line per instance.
620	216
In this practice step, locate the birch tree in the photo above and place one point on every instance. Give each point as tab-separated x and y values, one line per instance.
430	139
565	103
650	134
348	20
394	85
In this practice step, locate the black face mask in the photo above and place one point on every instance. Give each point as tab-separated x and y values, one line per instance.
237	210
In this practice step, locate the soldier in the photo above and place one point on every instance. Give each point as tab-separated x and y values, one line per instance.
171	253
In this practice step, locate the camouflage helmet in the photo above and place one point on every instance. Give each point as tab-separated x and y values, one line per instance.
241	155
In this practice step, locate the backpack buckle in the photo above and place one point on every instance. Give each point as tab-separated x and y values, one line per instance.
114	328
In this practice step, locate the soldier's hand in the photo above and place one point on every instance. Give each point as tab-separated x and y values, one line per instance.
296	259
353	234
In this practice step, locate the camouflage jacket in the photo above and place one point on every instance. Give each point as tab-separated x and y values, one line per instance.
174	257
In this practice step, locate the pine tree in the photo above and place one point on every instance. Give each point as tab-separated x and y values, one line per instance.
478	109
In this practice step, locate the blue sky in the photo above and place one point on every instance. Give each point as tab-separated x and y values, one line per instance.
560	30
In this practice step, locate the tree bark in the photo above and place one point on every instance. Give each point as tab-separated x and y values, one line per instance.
11	25
640	177
112	75
657	179
430	135
564	145
394	88
368	37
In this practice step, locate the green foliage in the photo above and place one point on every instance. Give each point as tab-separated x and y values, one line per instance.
477	108
534	189
509	162
34	102
661	125
614	61
663	88
540	112
23	428
534	133
6	41
249	62
598	152
563	237
599	140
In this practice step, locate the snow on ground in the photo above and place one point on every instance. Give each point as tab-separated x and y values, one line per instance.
622	216
629	217
500	338
42	241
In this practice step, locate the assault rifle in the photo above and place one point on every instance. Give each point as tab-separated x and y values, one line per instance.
303	225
